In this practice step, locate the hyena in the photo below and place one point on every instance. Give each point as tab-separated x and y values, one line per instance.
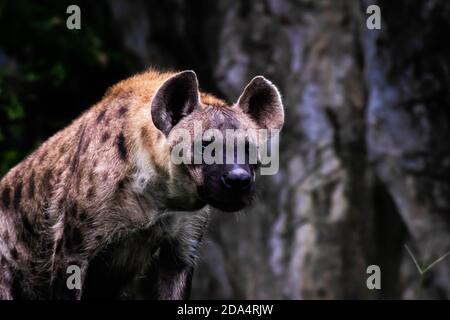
104	195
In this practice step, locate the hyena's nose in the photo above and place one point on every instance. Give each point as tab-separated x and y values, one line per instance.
237	179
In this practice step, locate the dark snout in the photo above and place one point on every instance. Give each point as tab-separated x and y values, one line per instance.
228	187
237	179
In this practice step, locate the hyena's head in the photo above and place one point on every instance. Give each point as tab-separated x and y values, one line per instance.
215	148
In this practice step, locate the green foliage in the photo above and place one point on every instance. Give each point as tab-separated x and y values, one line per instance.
13	109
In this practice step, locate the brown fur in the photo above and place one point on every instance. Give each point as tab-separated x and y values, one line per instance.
102	190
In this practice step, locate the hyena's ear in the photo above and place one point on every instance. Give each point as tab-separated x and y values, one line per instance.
261	100
175	99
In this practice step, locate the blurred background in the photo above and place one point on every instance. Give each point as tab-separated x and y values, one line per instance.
365	152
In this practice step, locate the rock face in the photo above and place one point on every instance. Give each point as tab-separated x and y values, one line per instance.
365	157
407	121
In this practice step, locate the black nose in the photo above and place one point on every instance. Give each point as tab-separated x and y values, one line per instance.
237	179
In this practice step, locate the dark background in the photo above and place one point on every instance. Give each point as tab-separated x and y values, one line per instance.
365	152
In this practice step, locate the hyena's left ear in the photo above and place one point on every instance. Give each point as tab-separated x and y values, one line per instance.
176	98
261	100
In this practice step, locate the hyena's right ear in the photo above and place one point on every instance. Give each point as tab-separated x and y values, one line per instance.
261	100
175	99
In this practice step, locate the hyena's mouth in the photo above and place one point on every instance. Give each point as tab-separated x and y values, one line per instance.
227	187
228	206
225	203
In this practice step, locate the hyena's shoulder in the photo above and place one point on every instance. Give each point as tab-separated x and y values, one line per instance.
85	162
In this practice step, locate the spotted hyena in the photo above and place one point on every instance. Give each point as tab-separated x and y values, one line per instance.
103	194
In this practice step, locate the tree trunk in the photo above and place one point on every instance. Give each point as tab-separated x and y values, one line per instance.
408	76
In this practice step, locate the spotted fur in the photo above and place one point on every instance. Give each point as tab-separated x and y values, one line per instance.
102	194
